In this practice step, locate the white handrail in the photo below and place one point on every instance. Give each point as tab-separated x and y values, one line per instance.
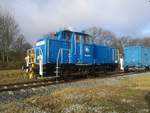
41	64
75	46
60	52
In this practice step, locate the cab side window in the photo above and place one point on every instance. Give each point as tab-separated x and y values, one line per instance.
78	38
67	37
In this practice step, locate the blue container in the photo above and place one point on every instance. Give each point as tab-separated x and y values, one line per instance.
136	56
104	54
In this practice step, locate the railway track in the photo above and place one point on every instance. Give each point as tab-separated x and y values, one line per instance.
52	81
28	84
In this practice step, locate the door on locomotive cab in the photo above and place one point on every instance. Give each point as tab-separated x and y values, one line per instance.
84	50
41	47
88	54
78	49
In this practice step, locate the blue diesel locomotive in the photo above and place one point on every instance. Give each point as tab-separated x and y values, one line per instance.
68	52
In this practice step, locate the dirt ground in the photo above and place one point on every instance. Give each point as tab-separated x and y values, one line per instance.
123	94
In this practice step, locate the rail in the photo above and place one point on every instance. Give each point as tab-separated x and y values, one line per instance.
27	84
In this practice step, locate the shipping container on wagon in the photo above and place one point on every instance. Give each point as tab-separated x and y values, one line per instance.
104	54
136	57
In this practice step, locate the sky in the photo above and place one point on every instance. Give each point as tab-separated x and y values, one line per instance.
38	17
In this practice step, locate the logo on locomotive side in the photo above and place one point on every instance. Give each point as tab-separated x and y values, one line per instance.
40	43
87	49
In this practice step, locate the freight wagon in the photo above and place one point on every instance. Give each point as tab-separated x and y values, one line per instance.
70	52
136	57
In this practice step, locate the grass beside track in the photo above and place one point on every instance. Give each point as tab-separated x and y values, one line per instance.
132	95
12	76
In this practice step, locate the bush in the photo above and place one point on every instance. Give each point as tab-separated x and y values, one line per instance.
11	65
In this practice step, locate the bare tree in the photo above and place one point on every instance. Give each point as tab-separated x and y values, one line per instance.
101	36
20	46
8	31
95	33
146	41
13	45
